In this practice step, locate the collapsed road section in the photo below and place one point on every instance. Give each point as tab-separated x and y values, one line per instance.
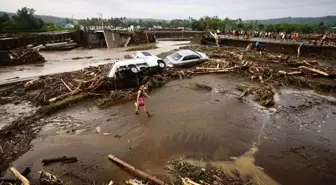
260	75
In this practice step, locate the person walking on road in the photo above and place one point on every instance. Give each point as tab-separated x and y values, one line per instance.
140	100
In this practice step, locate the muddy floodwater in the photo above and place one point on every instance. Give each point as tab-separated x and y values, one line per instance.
65	61
292	143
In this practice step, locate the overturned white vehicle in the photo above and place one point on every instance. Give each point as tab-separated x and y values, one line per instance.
141	61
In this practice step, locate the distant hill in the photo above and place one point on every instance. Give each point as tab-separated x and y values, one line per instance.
45	18
331	20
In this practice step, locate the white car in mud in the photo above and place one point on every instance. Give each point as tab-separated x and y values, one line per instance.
141	61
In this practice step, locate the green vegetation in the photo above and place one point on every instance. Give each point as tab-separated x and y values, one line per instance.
25	21
215	23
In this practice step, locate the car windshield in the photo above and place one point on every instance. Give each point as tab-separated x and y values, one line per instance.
146	54
176	56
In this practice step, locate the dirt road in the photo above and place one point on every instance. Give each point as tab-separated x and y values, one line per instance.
197	124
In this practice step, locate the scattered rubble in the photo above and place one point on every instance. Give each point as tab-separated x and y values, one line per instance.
23	55
49	179
266	68
262	94
184	173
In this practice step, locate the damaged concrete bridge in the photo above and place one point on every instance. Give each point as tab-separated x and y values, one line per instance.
109	38
37	39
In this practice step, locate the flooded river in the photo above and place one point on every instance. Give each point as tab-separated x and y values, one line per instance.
293	143
62	61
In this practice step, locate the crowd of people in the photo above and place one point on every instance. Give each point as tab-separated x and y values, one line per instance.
319	39
262	34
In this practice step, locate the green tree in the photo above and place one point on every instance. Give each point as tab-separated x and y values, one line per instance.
25	20
261	27
4	21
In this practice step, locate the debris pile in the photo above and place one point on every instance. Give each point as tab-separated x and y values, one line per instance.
262	94
267	68
185	173
23	55
94	81
60	86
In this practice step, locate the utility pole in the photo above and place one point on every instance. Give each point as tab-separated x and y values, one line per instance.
101	18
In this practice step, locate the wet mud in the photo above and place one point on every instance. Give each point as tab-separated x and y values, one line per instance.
185	122
270	145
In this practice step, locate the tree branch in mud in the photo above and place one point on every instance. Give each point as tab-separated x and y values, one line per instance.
18	175
66	85
314	70
139	173
59	159
298	50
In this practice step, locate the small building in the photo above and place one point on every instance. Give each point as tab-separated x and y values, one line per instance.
69	26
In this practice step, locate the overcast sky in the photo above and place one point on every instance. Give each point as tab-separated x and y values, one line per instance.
171	9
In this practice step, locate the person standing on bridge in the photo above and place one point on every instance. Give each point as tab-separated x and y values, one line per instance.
140	100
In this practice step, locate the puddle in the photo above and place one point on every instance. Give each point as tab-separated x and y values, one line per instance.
245	165
11	112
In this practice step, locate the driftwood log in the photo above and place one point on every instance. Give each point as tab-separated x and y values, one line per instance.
314	70
66	85
60	159
187	181
137	172
290	73
18	175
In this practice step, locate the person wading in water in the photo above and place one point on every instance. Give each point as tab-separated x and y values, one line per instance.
140	100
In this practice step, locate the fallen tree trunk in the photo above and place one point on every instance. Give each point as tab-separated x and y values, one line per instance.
60	159
223	70
314	70
139	173
202	68
62	96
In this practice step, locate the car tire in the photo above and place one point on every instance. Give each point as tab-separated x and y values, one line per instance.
161	65
134	70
